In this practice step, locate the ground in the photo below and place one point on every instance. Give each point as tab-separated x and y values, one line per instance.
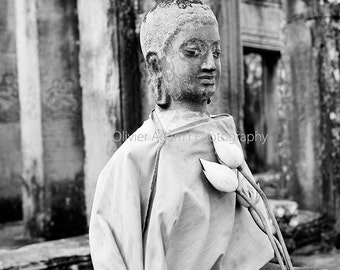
330	261
11	238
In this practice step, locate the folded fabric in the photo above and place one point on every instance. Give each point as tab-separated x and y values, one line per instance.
155	210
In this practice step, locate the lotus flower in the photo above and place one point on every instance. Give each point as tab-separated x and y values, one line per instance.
220	176
228	152
250	193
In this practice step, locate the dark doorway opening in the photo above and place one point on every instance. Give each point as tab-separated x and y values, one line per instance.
260	122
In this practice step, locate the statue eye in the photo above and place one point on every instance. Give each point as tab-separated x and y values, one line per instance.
191	52
217	53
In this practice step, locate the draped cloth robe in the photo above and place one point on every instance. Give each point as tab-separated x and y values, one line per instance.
155	210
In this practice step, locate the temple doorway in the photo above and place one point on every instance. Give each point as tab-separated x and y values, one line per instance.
260	121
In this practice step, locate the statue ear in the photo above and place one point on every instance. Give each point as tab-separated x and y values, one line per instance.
153	64
162	98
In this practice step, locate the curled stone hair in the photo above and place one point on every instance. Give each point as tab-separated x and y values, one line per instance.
179	3
165	19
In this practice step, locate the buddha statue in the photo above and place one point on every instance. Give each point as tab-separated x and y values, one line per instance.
181	46
154	209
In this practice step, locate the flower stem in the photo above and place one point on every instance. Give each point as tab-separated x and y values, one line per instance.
267	230
247	174
255	215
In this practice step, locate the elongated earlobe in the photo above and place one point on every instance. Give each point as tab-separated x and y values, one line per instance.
162	98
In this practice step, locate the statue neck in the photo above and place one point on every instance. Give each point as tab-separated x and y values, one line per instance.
179	114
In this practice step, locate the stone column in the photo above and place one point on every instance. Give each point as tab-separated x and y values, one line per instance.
147	98
312	63
229	98
51	123
304	117
31	129
109	72
10	146
129	78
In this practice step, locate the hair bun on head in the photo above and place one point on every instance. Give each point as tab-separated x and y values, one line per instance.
163	21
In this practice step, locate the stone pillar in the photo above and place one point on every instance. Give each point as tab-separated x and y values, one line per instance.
109	77
229	98
304	117
147	98
51	123
10	149
312	64
129	78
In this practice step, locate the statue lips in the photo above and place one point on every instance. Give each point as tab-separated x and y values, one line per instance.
207	79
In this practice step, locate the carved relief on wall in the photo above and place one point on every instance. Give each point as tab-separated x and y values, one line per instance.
9	102
6	40
61	99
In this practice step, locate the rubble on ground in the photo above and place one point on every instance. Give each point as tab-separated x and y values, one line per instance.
305	232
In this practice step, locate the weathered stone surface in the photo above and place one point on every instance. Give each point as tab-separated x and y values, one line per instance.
308	228
12	236
30	114
272	266
146	90
51	126
301	69
71	253
10	146
330	261
128	45
109	72
312	63
63	138
74	253
99	73
261	23
229	98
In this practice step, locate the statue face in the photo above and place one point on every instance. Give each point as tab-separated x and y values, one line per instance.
191	65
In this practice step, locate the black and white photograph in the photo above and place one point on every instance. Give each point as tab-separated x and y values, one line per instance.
169	134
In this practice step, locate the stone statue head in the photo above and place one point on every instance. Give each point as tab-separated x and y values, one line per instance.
181	46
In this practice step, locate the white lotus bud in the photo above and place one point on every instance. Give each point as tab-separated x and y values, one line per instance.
248	192
228	152
220	176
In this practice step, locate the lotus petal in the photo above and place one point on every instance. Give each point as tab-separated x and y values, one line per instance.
242	201
220	176
228	152
250	193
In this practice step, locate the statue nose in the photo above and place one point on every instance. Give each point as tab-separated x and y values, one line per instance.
209	62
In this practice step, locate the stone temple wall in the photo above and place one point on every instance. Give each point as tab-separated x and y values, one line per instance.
10	145
51	118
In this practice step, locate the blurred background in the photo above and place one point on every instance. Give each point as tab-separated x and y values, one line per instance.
72	76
